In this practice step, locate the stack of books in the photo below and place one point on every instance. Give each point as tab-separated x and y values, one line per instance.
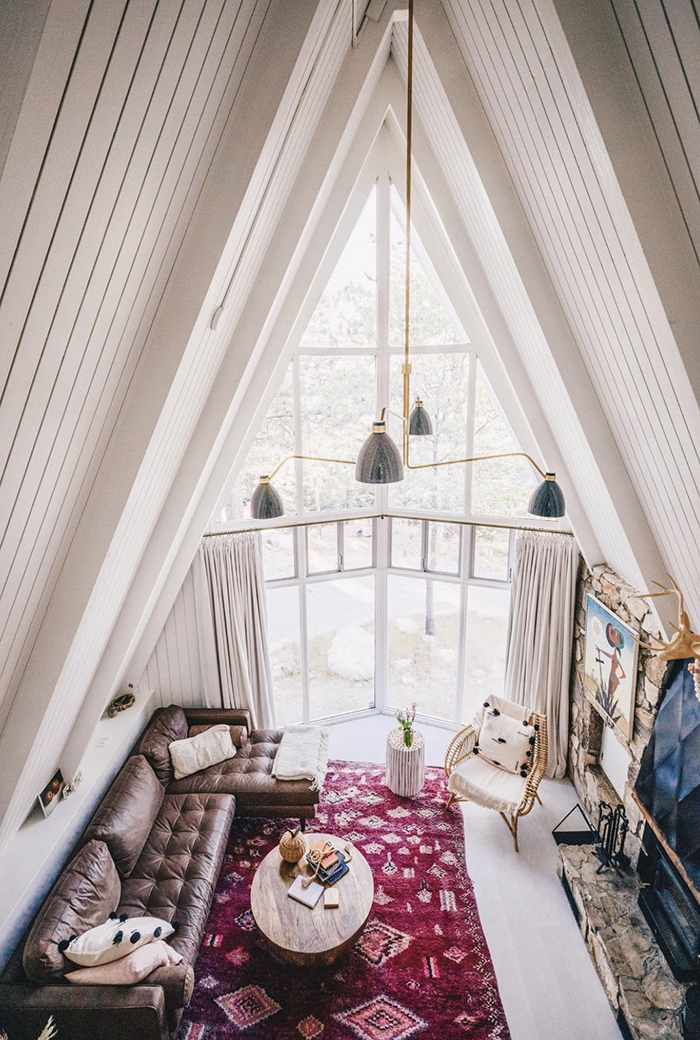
333	866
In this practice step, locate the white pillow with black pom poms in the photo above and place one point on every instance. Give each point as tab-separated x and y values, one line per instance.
115	938
506	742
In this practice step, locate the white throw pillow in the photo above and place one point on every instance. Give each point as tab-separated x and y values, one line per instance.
114	939
506	742
206	749
130	969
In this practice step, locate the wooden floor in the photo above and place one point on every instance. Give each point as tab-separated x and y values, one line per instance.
549	988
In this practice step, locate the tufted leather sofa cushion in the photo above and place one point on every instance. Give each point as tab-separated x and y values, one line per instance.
167	725
249	777
126	814
85	895
176	873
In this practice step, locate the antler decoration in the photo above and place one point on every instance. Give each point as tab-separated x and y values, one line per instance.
684	643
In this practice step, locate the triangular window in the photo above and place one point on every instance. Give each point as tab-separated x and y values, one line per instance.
346	314
431	325
274	440
500	487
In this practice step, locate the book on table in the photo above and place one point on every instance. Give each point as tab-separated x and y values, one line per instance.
309	895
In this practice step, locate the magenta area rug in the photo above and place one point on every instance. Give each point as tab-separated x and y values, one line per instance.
420	969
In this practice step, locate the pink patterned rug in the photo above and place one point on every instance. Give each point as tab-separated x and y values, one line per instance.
420	969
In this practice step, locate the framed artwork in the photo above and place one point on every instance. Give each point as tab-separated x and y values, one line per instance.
610	666
51	793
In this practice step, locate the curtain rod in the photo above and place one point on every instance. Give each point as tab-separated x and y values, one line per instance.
389	516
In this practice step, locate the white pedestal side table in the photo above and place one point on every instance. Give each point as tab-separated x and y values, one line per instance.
405	767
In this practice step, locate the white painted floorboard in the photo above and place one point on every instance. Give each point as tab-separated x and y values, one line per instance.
549	987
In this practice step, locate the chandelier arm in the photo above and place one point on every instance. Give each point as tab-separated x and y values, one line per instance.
308	458
390	411
480	458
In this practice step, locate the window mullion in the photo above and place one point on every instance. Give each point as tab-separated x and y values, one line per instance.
461	654
302	558
381	594
383	289
296	412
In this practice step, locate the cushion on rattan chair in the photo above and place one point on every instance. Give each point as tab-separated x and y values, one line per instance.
487	785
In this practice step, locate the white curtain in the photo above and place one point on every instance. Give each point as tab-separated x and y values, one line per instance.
232	625
540	634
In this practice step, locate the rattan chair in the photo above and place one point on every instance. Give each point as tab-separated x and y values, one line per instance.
472	779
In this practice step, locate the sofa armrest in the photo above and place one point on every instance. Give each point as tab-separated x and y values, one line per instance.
177	981
219	716
84	1012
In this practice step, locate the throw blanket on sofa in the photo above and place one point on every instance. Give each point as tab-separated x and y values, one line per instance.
302	755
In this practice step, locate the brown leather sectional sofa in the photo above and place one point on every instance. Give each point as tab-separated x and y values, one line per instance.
154	846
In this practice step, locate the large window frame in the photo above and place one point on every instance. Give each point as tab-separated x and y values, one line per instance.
382	569
382	510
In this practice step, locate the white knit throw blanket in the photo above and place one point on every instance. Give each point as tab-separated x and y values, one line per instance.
302	755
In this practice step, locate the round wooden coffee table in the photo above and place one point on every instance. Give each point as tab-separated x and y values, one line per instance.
294	932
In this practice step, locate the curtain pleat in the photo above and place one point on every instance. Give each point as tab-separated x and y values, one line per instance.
540	634
232	625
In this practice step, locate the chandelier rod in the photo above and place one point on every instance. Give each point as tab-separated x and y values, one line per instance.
406	370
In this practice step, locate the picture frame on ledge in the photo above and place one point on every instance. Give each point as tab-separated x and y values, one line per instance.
51	794
610	667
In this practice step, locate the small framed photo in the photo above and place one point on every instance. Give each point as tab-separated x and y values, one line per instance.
51	793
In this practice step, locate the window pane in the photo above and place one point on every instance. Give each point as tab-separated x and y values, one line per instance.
491	550
423	637
487	629
338	397
441	381
322	548
407	544
430	322
357	547
285	653
500	487
274	440
443	548
278	553
340	618
346	313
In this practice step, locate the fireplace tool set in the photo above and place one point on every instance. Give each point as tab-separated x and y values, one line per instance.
612	831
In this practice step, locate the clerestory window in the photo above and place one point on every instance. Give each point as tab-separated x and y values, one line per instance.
381	595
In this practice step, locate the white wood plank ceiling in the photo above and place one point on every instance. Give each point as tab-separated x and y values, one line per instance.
557	159
173	155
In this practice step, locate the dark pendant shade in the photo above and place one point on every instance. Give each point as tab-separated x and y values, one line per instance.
379	461
547	499
419	422
265	503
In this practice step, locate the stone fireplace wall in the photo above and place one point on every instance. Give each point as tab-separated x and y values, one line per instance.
586	725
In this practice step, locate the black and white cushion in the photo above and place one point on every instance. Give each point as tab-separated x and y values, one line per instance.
506	742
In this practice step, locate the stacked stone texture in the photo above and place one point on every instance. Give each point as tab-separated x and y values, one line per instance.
586	725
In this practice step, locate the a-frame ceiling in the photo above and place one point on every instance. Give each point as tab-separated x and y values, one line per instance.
174	179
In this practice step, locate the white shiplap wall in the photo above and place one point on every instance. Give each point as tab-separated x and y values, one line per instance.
662	38
121	118
558	162
173	672
295	117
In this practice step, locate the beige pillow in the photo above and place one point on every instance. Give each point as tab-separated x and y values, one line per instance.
206	749
130	969
239	734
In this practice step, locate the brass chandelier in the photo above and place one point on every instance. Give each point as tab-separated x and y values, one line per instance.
380	461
